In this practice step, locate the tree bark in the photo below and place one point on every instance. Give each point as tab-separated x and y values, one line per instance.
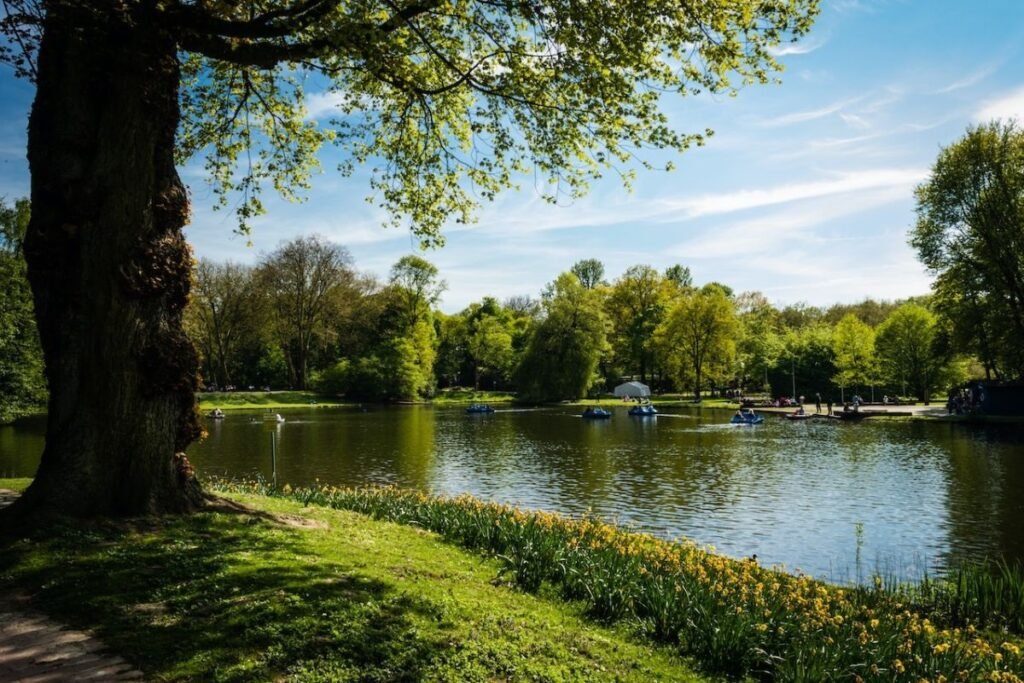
109	268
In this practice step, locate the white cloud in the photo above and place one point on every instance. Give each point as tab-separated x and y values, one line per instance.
765	233
801	48
320	105
804	116
854	121
1009	106
840	184
968	80
323	104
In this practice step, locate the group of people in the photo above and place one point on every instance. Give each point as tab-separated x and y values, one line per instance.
798	403
962	402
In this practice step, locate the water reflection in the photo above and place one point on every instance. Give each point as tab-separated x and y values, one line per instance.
835	500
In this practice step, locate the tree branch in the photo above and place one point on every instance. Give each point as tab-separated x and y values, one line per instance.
278	23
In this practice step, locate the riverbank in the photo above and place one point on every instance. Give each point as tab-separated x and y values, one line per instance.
318	584
285	592
269	400
732	616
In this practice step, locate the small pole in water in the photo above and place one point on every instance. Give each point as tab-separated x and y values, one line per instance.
273	457
270	424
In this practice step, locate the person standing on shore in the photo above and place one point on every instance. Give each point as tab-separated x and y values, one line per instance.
817	402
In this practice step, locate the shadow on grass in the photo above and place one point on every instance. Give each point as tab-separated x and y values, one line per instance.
225	598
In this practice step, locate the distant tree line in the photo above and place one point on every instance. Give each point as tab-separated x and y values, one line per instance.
304	317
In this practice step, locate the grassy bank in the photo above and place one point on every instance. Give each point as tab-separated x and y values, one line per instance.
331	596
734	617
463	395
254	400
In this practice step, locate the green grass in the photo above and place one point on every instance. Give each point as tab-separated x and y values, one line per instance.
989	594
459	395
15	484
236	400
734	617
220	596
659	399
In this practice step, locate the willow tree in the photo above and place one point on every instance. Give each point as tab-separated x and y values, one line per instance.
445	101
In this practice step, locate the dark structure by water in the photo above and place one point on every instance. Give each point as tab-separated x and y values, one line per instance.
999	398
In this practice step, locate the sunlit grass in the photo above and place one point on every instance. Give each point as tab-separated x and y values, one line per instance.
735	617
223	596
15	484
459	395
235	400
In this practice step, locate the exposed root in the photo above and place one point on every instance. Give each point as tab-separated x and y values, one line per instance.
218	504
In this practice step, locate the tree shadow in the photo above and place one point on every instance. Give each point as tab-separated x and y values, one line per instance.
224	597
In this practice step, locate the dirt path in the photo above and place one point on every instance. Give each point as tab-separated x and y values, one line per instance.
36	649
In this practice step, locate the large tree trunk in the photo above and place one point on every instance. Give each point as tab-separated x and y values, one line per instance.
109	268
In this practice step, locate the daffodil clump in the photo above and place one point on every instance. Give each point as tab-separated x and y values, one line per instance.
734	616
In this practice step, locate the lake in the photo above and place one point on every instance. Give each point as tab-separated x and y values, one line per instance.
831	499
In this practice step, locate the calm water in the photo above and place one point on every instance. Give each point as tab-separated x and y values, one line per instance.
909	495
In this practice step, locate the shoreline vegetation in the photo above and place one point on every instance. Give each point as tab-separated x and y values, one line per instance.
733	617
319	584
269	400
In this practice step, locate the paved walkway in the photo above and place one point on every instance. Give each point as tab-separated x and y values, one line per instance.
36	649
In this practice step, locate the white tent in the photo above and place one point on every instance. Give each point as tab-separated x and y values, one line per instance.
633	390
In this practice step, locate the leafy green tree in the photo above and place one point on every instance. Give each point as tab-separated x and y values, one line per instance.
973	317
853	343
305	281
589	271
968	233
702	326
636	306
418	287
22	387
868	311
490	347
806	364
760	343
679	275
126	90
223	313
562	357
905	344
452	343
800	315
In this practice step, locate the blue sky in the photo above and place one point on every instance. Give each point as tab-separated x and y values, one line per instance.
804	193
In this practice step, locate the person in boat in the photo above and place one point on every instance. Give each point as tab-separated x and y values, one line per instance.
799	411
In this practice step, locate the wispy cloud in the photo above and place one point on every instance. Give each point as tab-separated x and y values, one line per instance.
968	80
890	95
842	183
802	48
520	221
1007	106
854	121
324	104
764	233
804	116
